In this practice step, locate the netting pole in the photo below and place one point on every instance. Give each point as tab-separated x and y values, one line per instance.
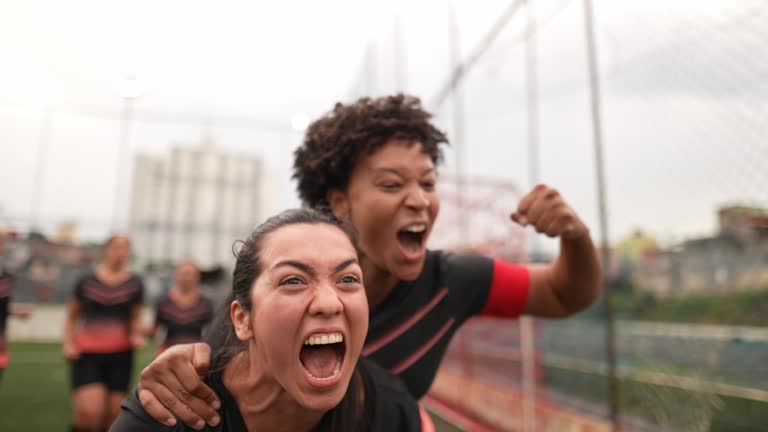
457	101
40	167
399	58
527	342
610	337
122	154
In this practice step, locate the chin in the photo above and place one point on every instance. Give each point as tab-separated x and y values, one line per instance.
409	271
321	402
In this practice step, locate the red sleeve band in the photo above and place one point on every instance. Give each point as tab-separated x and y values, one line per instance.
509	290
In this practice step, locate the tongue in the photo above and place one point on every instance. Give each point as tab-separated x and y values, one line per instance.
410	242
320	361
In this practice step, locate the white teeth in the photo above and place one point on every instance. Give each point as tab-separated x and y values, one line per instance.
324	339
417	228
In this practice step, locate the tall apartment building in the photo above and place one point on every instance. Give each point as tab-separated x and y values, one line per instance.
194	204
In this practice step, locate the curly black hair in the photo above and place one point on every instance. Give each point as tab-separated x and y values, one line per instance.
334	143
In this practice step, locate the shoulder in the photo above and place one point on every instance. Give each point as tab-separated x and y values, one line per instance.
464	262
207	303
163	302
389	405
379	378
457	270
133	418
85	278
136	278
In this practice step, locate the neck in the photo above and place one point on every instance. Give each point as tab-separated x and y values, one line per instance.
186	294
112	268
378	282
261	400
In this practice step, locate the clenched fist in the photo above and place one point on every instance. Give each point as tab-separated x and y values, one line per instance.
545	210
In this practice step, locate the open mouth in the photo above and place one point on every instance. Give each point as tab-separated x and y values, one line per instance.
322	355
411	239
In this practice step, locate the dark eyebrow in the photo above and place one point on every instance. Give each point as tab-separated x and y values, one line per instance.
389	170
398	173
345	264
292	263
308	269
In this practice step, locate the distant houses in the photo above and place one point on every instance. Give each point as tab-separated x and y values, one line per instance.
735	258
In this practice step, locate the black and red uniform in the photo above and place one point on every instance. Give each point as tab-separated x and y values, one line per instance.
410	330
183	324
104	336
388	407
6	290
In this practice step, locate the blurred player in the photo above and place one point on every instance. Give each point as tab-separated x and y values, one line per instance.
7	280
101	331
183	313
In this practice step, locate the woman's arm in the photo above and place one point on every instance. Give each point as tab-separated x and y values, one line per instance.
137	327
69	348
173	383
572	282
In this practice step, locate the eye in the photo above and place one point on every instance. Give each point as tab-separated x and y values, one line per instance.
350	279
350	283
291	281
390	186
428	185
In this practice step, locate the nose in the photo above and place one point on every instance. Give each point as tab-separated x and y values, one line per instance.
416	199
326	302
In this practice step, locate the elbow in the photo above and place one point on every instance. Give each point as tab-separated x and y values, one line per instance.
587	296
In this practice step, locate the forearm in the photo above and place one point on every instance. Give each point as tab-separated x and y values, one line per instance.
70	325
71	320
136	326
575	276
151	331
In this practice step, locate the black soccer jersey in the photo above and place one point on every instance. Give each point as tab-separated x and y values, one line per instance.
105	313
388	407
410	331
182	324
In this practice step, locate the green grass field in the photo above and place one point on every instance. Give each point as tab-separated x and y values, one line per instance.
34	392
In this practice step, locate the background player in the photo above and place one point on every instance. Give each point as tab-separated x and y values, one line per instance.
102	328
7	281
183	312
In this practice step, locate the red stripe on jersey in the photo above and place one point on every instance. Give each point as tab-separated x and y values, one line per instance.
173	312
419	353
3	359
509	290
373	346
107	295
103	337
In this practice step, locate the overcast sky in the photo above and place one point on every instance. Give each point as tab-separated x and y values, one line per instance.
685	95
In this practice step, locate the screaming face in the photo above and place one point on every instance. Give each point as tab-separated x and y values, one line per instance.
310	315
392	204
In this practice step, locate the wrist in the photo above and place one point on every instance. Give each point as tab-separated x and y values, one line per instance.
578	233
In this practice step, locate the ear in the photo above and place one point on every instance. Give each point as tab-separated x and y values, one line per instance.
241	321
339	203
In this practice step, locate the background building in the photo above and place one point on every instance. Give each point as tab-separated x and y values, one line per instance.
195	204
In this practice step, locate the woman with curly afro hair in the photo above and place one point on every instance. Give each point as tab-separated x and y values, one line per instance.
373	165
